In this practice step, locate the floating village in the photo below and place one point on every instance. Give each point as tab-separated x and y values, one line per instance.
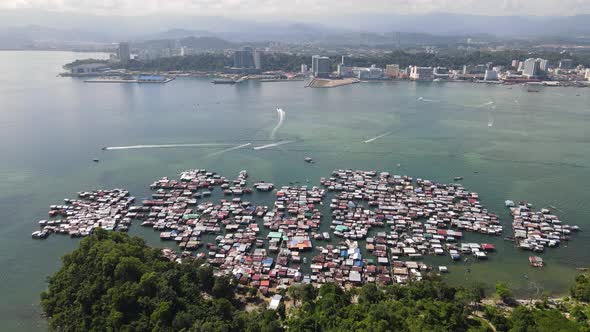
356	227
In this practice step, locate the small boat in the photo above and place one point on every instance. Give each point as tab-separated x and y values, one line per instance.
326	235
95	160
536	261
308	160
458	178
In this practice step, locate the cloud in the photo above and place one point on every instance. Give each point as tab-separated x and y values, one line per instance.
292	8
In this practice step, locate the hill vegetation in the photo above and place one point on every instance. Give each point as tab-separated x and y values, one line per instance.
114	282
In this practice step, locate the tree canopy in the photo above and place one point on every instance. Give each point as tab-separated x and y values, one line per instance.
114	282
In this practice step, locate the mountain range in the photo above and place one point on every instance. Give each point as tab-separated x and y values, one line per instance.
23	28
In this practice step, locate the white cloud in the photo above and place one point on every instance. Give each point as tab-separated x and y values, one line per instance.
291	8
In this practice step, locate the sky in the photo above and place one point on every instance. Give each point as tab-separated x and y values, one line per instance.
292	8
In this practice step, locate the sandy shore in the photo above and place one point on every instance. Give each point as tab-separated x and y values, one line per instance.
329	83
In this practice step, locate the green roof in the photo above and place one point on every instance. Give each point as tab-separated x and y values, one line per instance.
275	235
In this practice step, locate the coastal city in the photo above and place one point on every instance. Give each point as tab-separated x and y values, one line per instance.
272	166
323	71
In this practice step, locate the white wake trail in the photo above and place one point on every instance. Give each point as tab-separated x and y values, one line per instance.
376	138
281	119
428	100
163	146
262	147
228	150
485	104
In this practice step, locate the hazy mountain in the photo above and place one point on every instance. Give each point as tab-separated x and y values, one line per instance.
457	24
31	36
440	24
16	29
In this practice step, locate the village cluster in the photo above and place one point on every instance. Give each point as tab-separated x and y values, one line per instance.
380	225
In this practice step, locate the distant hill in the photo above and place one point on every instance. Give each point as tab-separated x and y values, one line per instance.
31	36
198	43
22	28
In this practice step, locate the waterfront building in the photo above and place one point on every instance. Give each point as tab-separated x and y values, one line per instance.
88	69
520	66
421	73
490	75
258	59
304	68
371	73
392	71
566	64
543	65
534	68
440	73
515	63
244	58
477	69
320	66
588	74
124	53
344	71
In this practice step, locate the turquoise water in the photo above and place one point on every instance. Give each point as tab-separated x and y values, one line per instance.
51	128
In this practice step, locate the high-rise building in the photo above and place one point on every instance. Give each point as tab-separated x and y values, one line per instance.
124	53
543	65
535	68
345	61
304	68
515	63
566	64
531	68
320	66
421	73
258	59
588	74
392	71
244	58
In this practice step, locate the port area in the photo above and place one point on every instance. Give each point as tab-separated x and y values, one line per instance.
331	83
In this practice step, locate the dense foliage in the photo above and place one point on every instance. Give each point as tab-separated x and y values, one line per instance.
114	282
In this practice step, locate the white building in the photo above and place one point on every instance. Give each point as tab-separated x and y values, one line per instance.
421	73
304	68
88	69
275	302
440	72
371	73
490	75
588	74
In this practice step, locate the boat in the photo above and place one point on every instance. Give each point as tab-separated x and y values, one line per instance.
95	160
326	235
536	261
224	81
308	160
458	178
